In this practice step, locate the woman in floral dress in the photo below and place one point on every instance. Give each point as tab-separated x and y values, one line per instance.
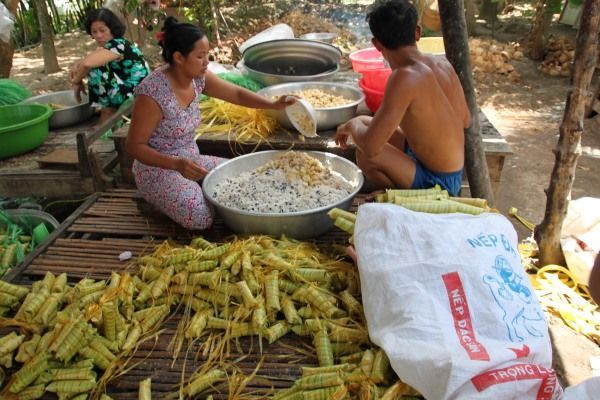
113	70
168	165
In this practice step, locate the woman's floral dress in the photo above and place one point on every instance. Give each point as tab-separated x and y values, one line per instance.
112	84
178	197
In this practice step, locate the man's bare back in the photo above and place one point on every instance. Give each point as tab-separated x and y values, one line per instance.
434	122
415	139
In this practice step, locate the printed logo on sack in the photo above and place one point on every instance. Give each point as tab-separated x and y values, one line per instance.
520	310
462	318
548	389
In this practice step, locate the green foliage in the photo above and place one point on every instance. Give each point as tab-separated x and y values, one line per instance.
233	15
26	30
202	12
428	32
554	6
12	92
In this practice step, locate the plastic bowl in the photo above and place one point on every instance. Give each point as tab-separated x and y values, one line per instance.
365	59
303	116
373	97
23	127
37	223
376	78
371	58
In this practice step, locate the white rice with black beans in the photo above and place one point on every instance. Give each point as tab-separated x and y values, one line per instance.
293	182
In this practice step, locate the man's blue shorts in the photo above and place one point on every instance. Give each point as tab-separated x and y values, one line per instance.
424	178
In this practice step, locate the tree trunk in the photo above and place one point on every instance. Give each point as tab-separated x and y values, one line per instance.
489	11
48	50
470	16
454	30
541	22
7	50
215	17
568	149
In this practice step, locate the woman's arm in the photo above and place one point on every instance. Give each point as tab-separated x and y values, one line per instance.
221	89
95	59
145	118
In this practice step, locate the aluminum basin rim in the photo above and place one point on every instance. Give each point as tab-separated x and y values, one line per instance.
268	45
39	99
361	96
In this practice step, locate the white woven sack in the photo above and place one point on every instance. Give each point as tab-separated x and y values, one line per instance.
447	299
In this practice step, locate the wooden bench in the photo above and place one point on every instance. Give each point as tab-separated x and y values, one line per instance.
71	162
495	146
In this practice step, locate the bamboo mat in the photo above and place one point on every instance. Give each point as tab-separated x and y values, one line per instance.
118	221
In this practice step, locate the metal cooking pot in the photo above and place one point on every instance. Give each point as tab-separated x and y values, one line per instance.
291	60
327	118
67	111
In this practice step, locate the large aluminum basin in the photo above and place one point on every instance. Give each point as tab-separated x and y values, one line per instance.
327	118
298	225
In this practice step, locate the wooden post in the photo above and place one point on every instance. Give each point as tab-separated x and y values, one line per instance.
454	29
568	149
539	24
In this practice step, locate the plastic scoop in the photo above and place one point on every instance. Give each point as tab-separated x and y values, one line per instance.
303	117
40	233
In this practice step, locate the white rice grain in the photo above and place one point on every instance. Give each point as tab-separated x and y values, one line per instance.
272	190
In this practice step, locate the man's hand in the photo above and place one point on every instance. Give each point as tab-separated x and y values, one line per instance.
189	169
350	252
343	133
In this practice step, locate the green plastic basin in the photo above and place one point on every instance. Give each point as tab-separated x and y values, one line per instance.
23	127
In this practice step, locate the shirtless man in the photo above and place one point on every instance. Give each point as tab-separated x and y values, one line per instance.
415	139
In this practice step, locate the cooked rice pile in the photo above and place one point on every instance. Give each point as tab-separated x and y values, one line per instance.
319	98
294	181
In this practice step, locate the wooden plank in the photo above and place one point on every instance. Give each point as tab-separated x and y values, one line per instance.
61	157
45	183
104	243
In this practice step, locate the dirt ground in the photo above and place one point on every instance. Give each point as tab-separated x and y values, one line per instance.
527	113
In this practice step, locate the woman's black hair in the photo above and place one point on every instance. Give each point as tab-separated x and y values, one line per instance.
393	23
117	28
181	37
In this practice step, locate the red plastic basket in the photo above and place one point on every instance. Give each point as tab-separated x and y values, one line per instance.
365	59
376	78
373	97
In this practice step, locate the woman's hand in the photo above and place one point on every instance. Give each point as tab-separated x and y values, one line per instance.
73	72
283	101
79	88
189	169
